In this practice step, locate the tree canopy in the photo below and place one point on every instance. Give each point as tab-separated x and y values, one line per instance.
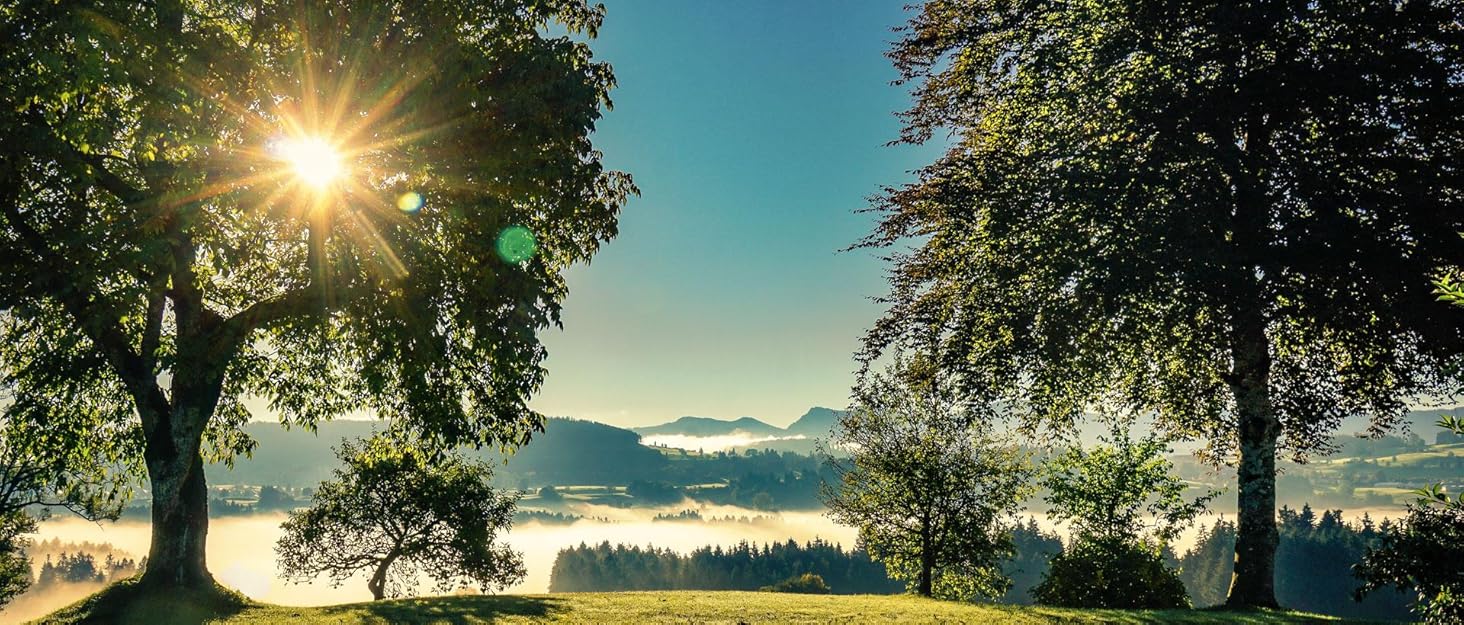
397	513
328	206
1228	213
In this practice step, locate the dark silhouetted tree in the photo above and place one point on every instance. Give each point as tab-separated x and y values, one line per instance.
929	487
272	498
397	512
1227	212
333	206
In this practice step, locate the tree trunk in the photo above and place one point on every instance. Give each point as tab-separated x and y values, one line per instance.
179	509
377	584
927	565
1254	582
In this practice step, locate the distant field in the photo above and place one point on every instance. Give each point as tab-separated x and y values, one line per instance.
695	607
1405	458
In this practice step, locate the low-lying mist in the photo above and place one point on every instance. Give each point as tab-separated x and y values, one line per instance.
241	549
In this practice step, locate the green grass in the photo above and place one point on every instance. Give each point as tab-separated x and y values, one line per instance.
636	607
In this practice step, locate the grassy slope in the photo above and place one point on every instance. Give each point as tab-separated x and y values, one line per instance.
676	607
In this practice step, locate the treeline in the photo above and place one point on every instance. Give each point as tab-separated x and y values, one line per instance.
1313	565
83	568
745	566
605	568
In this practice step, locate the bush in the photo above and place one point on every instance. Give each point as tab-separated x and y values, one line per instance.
807	584
1110	573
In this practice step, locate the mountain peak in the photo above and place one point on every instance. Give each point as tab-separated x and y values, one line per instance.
816	423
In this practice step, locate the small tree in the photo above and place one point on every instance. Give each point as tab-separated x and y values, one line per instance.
396	512
929	489
1124	504
1123	488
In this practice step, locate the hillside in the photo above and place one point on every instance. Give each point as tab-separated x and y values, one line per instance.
674	607
565	452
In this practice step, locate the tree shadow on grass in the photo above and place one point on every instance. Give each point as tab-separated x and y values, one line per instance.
449	610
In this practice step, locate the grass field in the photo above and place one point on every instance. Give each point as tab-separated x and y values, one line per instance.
652	607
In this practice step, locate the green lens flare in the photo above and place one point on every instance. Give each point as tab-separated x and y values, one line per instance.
410	202
516	244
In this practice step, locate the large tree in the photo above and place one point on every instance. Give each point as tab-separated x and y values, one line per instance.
931	488
327	206
393	511
1226	212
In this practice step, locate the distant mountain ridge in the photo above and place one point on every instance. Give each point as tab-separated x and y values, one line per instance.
706	426
818	422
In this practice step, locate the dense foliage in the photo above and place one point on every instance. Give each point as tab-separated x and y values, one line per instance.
161	259
603	568
1111	572
1424	554
398	513
929	487
1314	564
1229	213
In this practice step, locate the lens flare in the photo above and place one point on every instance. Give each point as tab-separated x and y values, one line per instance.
516	244
410	202
316	162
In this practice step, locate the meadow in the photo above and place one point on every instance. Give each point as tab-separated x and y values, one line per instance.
657	607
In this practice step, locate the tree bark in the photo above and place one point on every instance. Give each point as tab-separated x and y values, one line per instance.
1253	584
175	558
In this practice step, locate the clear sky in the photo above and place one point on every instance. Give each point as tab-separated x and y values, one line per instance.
754	130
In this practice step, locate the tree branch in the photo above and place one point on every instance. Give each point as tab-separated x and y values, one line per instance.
99	322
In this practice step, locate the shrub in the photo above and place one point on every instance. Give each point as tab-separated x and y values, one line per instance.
1110	573
807	584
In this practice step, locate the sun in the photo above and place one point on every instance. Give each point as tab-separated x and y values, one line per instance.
316	162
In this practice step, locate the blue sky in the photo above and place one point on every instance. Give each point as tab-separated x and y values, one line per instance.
755	131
